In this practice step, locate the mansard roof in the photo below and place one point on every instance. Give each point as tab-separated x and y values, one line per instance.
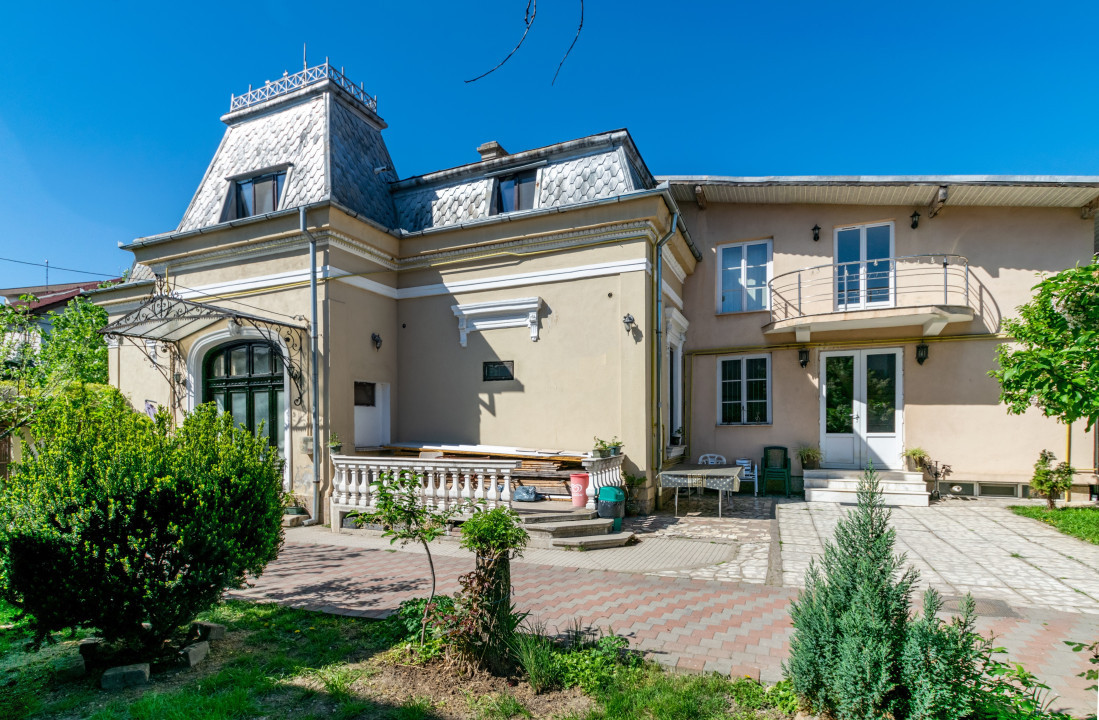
326	138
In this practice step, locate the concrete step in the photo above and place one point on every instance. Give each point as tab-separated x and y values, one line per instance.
848	484
593	542
849	497
575	528
578	514
883	475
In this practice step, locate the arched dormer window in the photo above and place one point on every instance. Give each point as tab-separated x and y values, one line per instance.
246	380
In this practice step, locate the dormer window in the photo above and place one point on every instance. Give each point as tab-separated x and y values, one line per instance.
255	195
515	192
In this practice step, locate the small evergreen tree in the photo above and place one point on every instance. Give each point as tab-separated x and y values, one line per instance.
849	622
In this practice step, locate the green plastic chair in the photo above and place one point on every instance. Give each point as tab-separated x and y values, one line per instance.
775	464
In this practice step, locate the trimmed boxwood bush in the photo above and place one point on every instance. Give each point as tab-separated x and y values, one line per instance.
115	519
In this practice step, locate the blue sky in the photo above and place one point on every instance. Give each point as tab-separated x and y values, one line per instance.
109	112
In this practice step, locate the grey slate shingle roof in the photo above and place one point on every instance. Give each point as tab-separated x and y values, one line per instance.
332	149
300	136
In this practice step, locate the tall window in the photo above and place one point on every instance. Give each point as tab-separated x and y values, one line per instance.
744	390
254	196
515	192
246	380
744	271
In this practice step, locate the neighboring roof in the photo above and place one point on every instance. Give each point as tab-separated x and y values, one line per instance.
972	190
49	297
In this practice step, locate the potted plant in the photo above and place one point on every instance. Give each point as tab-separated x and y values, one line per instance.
810	457
677	436
606	448
633	484
917	459
335	445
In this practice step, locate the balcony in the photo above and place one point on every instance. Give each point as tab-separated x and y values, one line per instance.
927	290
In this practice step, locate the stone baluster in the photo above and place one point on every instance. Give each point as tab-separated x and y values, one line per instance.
340	489
505	484
480	492
364	486
467	479
351	473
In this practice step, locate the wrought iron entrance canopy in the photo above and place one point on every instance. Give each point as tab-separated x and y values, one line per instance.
165	320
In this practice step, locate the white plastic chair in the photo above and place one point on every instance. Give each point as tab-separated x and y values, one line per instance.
712	459
750	473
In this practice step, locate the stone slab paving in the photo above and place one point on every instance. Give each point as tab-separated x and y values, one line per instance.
962	546
688	624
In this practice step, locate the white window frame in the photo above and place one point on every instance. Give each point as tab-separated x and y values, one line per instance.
744	388
864	301
769	242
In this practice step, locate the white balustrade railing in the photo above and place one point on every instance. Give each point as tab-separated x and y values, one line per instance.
603	472
444	482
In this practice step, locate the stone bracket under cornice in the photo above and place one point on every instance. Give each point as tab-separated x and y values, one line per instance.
477	317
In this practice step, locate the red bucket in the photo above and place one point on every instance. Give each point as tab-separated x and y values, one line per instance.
578	483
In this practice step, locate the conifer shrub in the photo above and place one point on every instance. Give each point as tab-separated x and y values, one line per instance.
856	654
117	522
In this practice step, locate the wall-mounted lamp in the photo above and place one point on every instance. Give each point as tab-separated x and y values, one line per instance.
915	217
377	340
235	329
628	321
803	356
178	377
816	233
921	353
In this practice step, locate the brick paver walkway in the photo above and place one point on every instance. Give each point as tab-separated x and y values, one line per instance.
684	623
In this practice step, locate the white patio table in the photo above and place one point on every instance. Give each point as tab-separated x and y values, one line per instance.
715	477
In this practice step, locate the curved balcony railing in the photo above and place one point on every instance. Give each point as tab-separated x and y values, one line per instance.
896	282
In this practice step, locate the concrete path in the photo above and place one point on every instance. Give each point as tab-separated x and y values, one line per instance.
690	624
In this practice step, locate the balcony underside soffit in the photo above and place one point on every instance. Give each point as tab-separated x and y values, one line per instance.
932	318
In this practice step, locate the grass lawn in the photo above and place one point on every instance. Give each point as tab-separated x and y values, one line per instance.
1081	522
278	662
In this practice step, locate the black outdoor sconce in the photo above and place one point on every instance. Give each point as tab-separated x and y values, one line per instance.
377	340
921	353
803	356
915	217
816	233
628	321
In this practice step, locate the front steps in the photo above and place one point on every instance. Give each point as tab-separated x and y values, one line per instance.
898	487
577	529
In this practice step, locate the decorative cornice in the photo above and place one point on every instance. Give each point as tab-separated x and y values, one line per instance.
639	229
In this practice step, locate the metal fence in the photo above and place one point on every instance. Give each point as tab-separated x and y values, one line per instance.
289	83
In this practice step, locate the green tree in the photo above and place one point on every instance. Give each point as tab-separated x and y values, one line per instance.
400	510
116	522
1053	363
1048	481
38	363
74	349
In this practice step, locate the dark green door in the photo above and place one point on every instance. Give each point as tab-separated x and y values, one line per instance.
246	380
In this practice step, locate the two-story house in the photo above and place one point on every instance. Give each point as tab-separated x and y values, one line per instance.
517	306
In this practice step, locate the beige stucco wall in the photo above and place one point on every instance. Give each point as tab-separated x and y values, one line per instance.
952	407
585	376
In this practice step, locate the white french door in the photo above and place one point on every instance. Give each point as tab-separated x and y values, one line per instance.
862	408
864	266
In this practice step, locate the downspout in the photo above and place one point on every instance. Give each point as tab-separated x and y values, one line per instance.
658	449
315	370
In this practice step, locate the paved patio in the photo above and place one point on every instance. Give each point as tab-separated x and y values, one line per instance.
689	624
960	546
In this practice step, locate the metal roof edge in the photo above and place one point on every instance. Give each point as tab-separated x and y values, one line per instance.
913	180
